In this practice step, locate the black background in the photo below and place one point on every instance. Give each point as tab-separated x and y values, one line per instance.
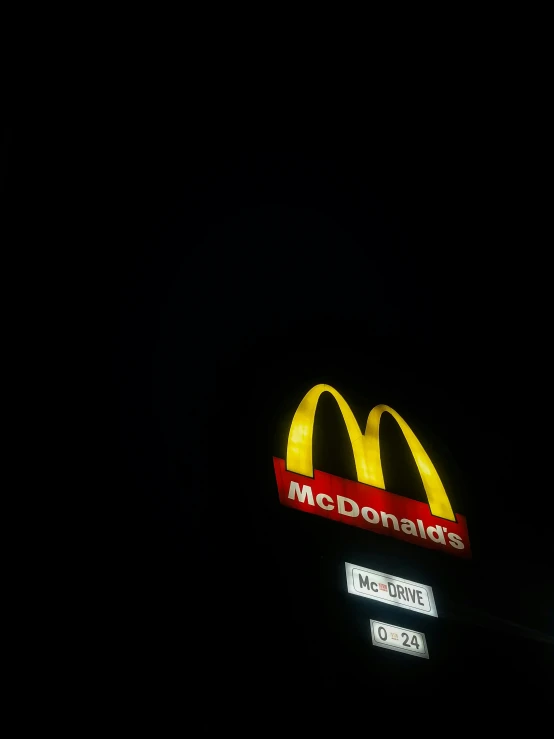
230	275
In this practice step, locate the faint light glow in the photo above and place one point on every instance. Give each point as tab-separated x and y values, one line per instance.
423	467
367	453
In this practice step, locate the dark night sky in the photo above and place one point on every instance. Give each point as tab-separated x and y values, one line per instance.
402	267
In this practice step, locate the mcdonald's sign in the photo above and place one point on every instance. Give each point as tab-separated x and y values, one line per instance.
365	503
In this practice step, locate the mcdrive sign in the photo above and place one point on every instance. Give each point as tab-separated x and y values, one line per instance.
365	503
389	589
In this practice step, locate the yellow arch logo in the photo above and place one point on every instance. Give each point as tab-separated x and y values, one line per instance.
367	454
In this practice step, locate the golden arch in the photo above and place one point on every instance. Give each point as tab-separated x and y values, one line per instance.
366	449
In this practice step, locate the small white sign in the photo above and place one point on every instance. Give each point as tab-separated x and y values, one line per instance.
398	639
396	591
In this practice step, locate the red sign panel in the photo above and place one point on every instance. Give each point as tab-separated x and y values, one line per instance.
371	508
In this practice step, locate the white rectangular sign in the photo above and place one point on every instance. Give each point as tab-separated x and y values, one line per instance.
390	589
399	639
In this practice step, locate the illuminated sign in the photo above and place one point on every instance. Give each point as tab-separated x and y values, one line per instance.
366	504
394	591
398	639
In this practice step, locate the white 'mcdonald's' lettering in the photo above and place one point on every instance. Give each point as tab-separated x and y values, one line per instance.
369	508
349	508
319	500
455	541
354	511
294	490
